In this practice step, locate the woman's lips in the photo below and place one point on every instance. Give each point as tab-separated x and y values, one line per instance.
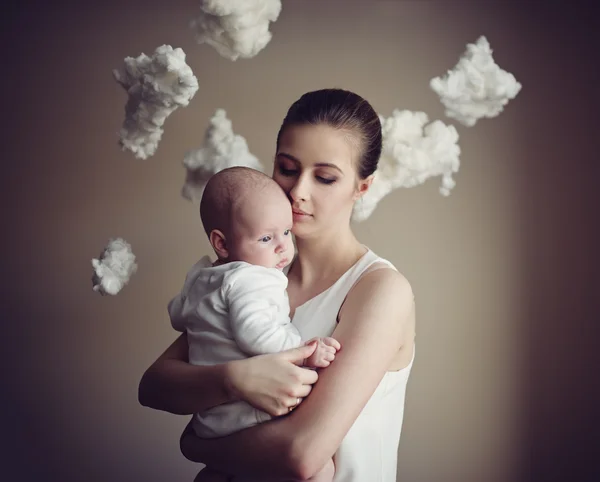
300	217
299	212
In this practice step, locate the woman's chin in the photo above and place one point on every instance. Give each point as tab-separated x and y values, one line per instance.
300	230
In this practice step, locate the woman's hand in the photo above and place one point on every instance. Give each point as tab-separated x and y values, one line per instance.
272	383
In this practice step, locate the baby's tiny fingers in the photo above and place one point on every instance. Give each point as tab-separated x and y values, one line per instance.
332	342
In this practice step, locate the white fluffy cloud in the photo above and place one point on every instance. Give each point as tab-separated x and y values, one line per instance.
412	153
236	28
476	87
114	267
221	149
156	86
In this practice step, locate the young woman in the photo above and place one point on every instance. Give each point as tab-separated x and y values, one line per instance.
328	148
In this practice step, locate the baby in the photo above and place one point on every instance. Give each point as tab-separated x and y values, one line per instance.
237	306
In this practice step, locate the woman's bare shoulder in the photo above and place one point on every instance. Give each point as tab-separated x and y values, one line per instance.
382	279
380	296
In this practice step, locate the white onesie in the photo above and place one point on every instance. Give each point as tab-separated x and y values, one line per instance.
231	312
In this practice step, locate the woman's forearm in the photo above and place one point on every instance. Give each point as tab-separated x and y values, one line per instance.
177	387
263	451
173	385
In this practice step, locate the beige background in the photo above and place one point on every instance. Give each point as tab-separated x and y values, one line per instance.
503	269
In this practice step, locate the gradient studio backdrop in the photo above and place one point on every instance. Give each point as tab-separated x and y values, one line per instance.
502	269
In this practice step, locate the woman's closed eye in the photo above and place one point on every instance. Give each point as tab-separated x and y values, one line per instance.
326	180
294	172
287	172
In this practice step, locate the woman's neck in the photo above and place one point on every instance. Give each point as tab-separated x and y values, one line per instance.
325	257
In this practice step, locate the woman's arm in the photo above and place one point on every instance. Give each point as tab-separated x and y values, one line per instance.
373	327
173	385
268	382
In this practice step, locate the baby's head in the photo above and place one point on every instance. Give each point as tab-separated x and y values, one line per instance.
247	217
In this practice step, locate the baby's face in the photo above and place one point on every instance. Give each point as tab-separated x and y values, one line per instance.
262	231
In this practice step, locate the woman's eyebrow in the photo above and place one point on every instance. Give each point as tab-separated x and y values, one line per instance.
328	164
318	164
288	156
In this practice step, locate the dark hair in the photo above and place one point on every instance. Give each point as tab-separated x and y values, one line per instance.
344	110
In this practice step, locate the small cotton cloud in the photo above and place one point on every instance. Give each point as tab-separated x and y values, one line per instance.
114	267
477	87
156	86
236	28
413	151
221	149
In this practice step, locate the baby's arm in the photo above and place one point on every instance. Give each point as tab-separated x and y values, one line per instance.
259	312
259	316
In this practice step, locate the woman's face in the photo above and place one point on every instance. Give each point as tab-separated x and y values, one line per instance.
316	167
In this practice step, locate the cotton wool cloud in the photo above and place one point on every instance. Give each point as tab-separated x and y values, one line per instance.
236	28
156	87
222	148
114	267
414	150
476	87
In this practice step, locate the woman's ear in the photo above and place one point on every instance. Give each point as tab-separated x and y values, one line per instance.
363	186
219	243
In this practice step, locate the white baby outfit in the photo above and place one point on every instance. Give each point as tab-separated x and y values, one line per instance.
230	312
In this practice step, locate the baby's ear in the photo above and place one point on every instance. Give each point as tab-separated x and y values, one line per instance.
219	243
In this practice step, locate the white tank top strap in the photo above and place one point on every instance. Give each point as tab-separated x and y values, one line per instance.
368	263
320	314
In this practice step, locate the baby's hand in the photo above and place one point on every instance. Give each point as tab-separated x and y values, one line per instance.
325	352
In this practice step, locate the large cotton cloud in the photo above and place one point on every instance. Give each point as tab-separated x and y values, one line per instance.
156	86
114	267
476	87
413	151
221	149
236	28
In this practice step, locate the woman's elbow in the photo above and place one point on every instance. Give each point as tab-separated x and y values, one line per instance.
305	470
151	395
305	463
145	397
187	447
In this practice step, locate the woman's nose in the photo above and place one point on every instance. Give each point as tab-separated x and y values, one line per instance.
299	191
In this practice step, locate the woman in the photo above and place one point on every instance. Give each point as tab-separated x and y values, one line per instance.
327	151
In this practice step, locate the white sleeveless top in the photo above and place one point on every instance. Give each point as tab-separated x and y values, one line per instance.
369	451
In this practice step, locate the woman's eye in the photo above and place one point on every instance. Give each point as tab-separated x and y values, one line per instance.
286	172
325	180
265	239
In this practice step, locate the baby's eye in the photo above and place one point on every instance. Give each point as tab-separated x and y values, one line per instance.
265	239
286	232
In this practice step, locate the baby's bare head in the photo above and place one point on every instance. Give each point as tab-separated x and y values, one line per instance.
231	192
